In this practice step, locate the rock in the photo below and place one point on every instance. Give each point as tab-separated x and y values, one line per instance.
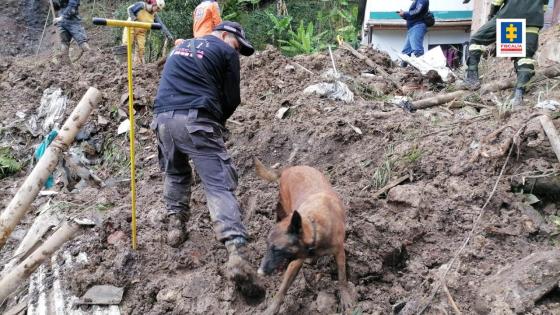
516	287
167	295
410	195
102	295
533	220
325	303
102	121
115	237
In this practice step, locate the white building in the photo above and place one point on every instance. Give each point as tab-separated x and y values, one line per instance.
386	30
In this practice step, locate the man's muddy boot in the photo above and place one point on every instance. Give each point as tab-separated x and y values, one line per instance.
517	100
176	234
84	49
240	271
472	81
63	57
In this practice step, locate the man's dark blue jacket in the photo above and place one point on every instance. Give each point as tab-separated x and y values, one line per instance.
416	13
211	85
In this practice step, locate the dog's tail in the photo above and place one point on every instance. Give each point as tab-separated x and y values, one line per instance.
265	173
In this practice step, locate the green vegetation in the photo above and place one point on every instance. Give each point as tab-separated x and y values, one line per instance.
308	27
8	164
116	158
413	156
382	174
304	41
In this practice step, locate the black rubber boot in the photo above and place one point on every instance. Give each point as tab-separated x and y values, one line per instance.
517	99
472	80
240	271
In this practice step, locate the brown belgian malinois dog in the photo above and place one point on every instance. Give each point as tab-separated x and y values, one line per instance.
310	223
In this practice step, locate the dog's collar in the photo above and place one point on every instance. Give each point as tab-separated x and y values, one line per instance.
310	249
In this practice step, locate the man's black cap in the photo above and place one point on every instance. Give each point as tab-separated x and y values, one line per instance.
245	48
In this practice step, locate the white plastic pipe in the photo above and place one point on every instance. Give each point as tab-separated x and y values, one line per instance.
19	205
16	276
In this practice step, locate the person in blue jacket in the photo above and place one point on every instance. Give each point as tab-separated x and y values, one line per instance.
416	25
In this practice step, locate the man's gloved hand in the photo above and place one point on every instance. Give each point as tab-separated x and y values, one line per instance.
169	36
57	19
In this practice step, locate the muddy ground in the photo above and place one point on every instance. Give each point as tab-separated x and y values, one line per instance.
395	246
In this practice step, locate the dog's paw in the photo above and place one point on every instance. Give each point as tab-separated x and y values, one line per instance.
346	302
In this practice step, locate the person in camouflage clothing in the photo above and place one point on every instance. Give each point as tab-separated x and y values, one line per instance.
530	10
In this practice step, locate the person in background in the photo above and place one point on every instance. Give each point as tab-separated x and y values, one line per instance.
533	13
143	12
206	17
69	25
416	26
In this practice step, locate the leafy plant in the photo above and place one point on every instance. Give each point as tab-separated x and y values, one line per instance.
383	172
280	26
8	164
304	41
413	155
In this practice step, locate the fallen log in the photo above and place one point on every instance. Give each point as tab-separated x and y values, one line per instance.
16	276
551	133
29	190
549	72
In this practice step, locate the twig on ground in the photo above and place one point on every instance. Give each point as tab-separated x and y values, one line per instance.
467	240
391	185
304	68
451	301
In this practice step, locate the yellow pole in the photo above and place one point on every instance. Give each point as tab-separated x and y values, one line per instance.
131	136
130	25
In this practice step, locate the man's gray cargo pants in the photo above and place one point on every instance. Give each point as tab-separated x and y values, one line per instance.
182	135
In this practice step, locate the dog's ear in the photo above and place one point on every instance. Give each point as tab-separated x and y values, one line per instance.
295	224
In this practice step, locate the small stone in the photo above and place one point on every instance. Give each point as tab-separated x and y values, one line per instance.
326	303
102	120
115	237
410	195
167	295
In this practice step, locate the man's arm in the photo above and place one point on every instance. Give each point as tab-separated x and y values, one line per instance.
216	14
164	29
134	9
71	9
417	12
232	96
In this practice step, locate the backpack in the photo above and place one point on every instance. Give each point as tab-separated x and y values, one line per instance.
429	19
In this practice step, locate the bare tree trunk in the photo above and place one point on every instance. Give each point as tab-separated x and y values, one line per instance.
549	72
281	9
28	191
552	134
